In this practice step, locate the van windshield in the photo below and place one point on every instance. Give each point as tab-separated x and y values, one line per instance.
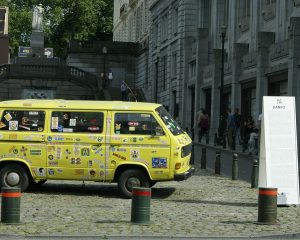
171	124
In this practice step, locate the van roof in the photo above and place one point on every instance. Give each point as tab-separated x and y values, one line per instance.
77	104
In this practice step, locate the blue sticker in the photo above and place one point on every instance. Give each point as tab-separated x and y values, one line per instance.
49	138
60	128
159	163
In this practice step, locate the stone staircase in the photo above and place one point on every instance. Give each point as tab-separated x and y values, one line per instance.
35	70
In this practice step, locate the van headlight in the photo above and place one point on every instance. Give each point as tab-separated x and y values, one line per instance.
186	150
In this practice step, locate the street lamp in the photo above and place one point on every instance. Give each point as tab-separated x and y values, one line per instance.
104	77
222	136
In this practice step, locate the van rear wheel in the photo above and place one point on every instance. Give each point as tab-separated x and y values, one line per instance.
132	178
14	175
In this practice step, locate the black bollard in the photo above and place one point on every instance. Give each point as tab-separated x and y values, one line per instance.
267	206
10	205
218	163
234	167
140	207
203	158
254	176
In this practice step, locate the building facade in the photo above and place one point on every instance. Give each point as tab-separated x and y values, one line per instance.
184	54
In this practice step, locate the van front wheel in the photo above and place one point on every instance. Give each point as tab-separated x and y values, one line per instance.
132	178
14	175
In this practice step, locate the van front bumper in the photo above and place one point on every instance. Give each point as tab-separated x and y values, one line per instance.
185	175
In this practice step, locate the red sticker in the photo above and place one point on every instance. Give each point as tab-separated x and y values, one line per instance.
93	128
134	124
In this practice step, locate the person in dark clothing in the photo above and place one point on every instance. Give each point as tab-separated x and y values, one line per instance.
231	126
238	120
203	125
249	128
123	91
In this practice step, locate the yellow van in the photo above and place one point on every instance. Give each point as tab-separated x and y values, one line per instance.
133	144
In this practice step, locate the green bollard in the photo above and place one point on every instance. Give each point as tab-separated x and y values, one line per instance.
203	158
254	176
234	167
10	205
267	206
140	208
218	163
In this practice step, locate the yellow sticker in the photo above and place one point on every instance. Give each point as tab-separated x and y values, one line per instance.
8	117
2	125
118	126
12	136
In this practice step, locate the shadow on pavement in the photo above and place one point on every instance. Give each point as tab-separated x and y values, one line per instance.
101	190
109	191
237	222
162	193
235	204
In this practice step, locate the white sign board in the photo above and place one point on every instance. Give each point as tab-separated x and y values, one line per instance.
278	158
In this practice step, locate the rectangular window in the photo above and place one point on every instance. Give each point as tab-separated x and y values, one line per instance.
244	9
193	69
175	21
91	122
204	13
226	12
164	27
244	15
138	24
135	123
26	120
164	72
155	35
269	9
269	2
174	65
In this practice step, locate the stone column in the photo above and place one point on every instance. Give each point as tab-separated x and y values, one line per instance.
239	50
264	40
215	93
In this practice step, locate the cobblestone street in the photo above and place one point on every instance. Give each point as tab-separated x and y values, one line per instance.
206	205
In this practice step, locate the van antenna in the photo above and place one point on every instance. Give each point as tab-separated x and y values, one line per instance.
130	90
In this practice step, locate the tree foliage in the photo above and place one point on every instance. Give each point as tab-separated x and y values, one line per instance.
64	20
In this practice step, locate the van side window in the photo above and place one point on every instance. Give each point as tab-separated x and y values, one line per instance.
16	120
135	123
91	122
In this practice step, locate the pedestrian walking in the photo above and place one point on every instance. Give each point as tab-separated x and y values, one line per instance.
124	91
203	125
238	119
231	126
249	128
252	143
259	122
